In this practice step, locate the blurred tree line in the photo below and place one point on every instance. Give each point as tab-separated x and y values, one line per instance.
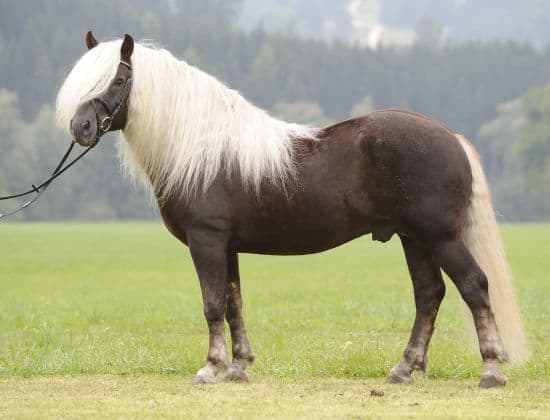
494	93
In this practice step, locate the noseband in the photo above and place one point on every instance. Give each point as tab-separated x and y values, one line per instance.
104	125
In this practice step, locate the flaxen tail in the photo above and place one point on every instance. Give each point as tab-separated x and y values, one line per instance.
482	238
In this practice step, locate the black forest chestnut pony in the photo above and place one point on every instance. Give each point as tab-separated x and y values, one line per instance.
229	178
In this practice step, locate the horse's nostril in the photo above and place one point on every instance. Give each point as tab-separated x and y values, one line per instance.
86	125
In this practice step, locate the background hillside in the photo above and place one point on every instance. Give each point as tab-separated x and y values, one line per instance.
525	21
468	64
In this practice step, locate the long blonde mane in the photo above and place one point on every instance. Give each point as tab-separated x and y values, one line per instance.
184	126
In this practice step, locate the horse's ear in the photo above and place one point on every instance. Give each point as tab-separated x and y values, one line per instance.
91	42
127	48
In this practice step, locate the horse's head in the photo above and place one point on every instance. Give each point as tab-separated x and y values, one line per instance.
107	111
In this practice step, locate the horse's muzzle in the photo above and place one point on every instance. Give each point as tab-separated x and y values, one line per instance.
83	131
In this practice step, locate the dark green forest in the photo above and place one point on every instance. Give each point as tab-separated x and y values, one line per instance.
495	93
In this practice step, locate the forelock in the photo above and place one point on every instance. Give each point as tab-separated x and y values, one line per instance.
90	76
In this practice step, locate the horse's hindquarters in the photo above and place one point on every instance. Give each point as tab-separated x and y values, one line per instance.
419	174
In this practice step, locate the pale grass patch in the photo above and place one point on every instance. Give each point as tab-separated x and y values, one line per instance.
172	396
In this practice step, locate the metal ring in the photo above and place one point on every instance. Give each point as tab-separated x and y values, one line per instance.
105	124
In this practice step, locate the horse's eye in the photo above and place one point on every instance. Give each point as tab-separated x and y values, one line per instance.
119	81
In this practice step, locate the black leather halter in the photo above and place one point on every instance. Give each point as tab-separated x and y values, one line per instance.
103	127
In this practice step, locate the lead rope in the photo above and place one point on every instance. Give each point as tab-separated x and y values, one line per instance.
43	186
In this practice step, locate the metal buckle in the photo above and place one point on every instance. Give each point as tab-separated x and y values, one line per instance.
105	124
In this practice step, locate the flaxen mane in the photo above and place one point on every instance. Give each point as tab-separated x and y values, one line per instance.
184	125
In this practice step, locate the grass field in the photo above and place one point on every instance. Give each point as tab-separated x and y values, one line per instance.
107	320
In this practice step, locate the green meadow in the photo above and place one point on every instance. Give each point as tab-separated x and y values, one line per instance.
106	320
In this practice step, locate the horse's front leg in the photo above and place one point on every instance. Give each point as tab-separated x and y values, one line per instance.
209	252
242	352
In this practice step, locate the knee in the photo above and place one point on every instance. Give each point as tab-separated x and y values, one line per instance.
234	306
483	282
430	296
475	289
214	312
233	317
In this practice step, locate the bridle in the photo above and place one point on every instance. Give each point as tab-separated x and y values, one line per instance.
103	127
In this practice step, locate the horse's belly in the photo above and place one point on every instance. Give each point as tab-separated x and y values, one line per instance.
298	233
294	243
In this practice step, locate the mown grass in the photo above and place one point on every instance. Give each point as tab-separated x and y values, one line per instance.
170	397
123	299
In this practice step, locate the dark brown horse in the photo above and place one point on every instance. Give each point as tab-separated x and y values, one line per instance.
230	179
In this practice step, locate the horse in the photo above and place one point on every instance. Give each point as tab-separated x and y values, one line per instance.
229	178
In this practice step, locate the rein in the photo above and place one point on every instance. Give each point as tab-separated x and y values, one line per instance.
59	170
103	127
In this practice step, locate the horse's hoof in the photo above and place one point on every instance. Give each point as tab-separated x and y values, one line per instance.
399	379
236	375
203	378
493	381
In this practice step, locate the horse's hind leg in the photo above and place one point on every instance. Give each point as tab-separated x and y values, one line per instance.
429	290
458	263
242	352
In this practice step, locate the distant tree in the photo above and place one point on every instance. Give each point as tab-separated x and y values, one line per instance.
301	79
10	120
430	32
303	112
326	19
263	76
363	107
534	144
225	9
498	138
14	150
514	196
